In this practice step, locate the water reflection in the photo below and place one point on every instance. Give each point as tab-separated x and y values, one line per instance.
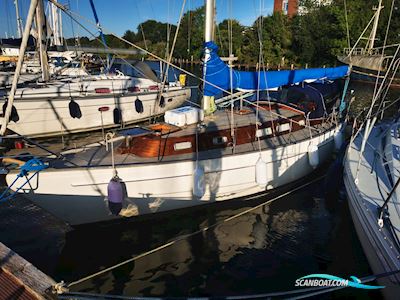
264	250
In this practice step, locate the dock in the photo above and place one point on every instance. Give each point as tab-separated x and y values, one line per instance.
19	279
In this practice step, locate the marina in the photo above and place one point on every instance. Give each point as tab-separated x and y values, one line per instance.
133	167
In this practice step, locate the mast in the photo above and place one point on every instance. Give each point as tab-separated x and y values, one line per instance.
22	50
42	40
209	22
208	104
372	36
56	25
19	20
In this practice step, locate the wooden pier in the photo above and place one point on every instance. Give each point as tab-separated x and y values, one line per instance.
19	279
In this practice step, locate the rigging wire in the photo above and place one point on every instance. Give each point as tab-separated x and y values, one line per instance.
231	72
260	54
383	50
261	64
189	29
347	24
140	25
71	13
368	123
171	52
168	34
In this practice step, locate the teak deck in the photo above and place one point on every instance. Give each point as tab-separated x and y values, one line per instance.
214	139
216	132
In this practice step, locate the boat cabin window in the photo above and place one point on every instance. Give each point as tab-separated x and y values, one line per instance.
182	146
263	132
284	127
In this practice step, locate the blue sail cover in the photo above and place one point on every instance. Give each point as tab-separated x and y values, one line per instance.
218	73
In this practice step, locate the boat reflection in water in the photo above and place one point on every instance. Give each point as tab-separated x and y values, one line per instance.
261	251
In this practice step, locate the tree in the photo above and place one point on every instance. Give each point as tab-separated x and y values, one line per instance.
130	36
190	37
223	33
315	37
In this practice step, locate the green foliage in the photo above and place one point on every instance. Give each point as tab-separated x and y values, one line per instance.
314	38
191	35
224	30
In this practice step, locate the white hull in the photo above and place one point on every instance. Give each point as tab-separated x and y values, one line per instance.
50	117
371	249
365	199
6	78
78	195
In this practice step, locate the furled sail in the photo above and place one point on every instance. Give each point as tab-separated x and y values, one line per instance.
217	73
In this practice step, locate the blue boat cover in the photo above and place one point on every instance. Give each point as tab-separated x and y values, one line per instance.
218	73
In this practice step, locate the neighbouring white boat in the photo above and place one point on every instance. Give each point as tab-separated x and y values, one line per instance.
369	176
7	77
72	105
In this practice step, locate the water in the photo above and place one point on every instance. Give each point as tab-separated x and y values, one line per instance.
262	251
265	250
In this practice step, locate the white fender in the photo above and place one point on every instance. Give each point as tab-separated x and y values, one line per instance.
313	157
338	139
199	187
261	173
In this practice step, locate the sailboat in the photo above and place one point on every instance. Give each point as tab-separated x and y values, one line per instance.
370	63
371	187
79	104
199	155
371	178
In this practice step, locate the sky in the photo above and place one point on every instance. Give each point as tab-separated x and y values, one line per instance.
117	16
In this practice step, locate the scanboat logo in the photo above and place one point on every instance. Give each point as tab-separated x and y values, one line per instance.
326	280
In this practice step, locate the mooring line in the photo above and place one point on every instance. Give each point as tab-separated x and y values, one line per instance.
186	236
